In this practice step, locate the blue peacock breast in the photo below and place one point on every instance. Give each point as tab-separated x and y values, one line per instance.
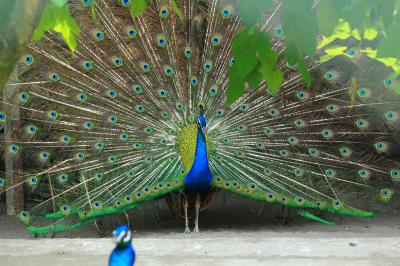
195	160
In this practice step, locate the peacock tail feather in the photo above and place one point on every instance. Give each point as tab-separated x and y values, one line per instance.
113	124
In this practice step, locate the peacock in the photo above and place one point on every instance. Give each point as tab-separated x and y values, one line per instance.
123	254
139	112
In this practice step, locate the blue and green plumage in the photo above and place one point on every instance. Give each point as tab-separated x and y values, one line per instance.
115	124
199	177
123	254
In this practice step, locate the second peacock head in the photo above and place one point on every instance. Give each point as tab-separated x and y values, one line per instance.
122	236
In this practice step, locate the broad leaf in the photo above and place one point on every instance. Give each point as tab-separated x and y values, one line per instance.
327	17
300	25
251	10
59	3
244	48
254	78
236	86
293	57
389	46
60	20
137	7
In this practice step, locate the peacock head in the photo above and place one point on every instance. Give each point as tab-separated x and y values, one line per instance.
122	236
201	123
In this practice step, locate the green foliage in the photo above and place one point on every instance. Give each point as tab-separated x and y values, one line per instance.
254	61
58	19
294	57
59	3
137	7
362	20
300	25
251	10
253	52
389	46
327	17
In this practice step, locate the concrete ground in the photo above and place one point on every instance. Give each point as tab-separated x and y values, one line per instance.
234	232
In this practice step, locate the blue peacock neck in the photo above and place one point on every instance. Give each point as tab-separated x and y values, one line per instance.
199	177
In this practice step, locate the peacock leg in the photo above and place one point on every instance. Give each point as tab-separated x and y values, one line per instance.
196	222
185	206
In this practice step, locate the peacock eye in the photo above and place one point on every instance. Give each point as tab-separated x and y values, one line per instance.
329	75
86	2
98	35
207	66
117	62
216	40
132	32
226	11
188	52
145	67
168	71
278	32
164	12
87	65
161	40
125	3
27	59
388	83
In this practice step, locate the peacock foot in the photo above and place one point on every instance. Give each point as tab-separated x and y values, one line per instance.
187	231
196	230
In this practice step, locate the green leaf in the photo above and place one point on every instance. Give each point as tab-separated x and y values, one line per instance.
251	48
273	76
274	81
244	48
342	31
137	7
251	10
236	86
178	11
336	50
332	52
327	17
389	46
386	10
293	57
300	25
254	78
59	3
356	11
59	20
370	34
303	69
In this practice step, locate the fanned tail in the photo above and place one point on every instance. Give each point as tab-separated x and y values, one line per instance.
98	131
330	147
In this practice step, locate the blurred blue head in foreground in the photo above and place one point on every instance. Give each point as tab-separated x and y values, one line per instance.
123	254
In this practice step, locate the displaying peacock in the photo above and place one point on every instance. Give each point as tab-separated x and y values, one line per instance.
139	112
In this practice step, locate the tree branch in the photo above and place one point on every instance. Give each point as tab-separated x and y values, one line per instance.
19	19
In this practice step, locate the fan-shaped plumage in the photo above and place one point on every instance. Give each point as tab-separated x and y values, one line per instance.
139	111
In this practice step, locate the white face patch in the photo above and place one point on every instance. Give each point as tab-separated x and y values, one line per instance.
128	237
123	237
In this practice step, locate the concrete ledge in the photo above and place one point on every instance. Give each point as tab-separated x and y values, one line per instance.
206	250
